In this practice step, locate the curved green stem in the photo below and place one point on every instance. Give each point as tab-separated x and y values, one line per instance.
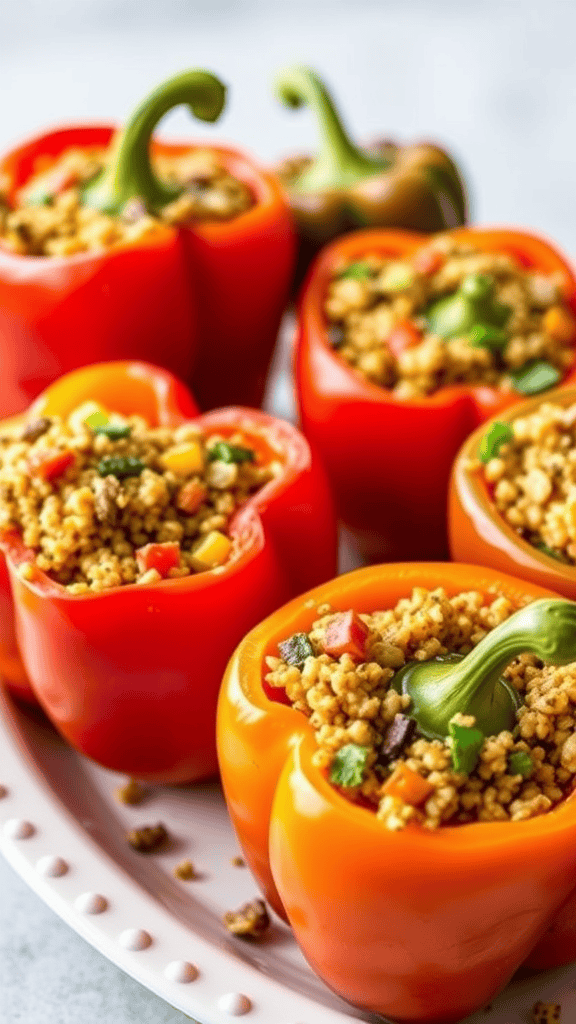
129	174
473	686
472	305
339	162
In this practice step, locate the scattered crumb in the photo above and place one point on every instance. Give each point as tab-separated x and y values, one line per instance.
132	792
186	871
148	838
251	921
546	1013
238	862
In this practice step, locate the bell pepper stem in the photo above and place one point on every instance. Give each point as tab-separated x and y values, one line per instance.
129	174
473	686
339	163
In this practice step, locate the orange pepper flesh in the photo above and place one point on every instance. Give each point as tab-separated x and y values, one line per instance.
416	925
389	460
407	786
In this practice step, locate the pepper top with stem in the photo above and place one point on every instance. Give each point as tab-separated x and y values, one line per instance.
472	304
129	174
339	163
440	689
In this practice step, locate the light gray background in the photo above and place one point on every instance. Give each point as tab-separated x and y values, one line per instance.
495	80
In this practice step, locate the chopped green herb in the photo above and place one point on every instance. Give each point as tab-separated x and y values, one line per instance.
296	649
96	419
493	439
224	452
358	271
552	553
485	336
348	765
535	377
114	430
39	197
120	466
465	745
520	763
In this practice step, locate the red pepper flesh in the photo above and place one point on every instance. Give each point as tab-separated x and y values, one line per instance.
130	676
204	300
346	634
161	557
388	459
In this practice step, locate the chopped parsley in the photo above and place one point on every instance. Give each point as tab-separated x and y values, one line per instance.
348	765
493	439
222	451
465	745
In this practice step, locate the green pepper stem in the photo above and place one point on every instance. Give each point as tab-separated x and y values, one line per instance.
129	174
546	628
339	163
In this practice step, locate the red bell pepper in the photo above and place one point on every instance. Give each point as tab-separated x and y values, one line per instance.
130	675
204	299
417	925
157	395
389	459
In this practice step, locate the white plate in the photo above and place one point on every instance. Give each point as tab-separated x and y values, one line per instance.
64	831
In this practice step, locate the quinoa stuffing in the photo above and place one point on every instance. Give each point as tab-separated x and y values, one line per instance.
185	871
49	219
252	921
530	468
450	314
371	749
148	838
105	500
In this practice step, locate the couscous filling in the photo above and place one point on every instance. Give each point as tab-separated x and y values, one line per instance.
50	219
105	500
530	468
450	314
341	673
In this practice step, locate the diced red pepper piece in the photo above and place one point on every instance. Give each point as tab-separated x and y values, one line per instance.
404	335
428	261
408	786
161	557
346	634
50	463
190	496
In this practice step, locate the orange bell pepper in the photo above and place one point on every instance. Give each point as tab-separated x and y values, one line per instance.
130	675
479	533
417	925
389	460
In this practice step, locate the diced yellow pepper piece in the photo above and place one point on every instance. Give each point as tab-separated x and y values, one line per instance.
184	459
88	410
212	550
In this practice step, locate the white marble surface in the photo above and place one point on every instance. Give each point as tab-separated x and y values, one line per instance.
496	81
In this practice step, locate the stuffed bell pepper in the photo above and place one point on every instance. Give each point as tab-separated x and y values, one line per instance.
405	345
116	246
398	754
512	504
142	542
344	187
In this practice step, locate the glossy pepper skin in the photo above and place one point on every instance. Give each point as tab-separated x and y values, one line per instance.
345	187
204	299
130	676
419	926
389	460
